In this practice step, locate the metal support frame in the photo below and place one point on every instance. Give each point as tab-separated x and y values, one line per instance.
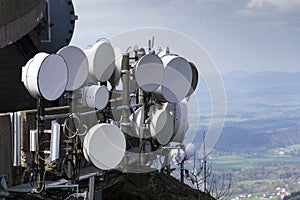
125	95
40	149
125	122
15	119
91	187
91	178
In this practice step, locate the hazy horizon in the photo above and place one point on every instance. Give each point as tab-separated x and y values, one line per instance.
261	71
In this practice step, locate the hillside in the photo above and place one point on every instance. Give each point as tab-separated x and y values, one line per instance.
259	144
263	111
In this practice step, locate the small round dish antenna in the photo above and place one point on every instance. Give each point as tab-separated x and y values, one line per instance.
104	146
195	79
177	78
115	78
45	76
190	150
97	96
101	59
137	119
177	156
181	121
77	66
161	127
149	72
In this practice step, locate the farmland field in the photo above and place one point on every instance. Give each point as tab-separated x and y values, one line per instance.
257	176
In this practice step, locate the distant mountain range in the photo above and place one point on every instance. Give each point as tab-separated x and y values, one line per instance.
267	88
263	110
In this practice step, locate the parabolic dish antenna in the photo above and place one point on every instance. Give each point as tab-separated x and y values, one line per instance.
104	146
181	117
77	66
137	119
177	156
195	79
85	144
115	78
45	76
161	126
149	72
101	59
97	96
190	150
177	79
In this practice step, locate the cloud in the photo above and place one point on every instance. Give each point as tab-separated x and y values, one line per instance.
267	29
271	6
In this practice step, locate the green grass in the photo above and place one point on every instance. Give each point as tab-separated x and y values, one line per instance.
251	182
246	161
287	149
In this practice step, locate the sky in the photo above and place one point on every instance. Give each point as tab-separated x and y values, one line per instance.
239	35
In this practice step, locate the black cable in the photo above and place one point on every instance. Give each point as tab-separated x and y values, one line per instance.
74	166
65	164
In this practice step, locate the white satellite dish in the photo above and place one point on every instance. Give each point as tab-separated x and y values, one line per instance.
181	121
77	64
177	79
195	79
96	96
45	76
161	126
177	156
149	72
104	146
101	58
137	119
190	150
85	144
115	78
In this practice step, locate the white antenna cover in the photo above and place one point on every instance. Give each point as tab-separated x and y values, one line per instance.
177	156
181	121
161	126
85	144
137	119
45	76
114	79
177	79
101	58
149	72
24	74
190	150
104	146
96	96
195	79
77	64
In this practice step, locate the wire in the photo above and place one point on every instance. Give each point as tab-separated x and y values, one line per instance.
35	190
85	130
75	133
38	153
74	166
66	127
